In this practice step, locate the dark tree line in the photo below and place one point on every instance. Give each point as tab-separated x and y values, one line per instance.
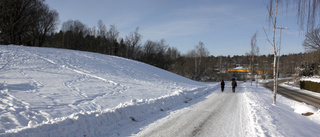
105	40
31	22
75	35
26	22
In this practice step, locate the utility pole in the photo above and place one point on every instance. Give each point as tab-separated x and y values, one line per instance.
277	75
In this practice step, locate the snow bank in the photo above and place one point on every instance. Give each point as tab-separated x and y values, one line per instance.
312	79
304	108
299	90
282	119
108	122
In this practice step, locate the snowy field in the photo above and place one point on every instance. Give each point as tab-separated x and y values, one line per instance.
58	92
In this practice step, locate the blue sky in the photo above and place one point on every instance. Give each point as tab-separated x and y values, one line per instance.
224	26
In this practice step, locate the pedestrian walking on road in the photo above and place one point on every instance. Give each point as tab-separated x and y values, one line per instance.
234	85
222	85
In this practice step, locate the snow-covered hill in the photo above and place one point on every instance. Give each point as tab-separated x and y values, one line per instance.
46	85
58	92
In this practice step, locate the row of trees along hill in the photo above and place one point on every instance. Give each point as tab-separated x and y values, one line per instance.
32	23
197	64
75	35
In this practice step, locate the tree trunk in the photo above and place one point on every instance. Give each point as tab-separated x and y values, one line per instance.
275	54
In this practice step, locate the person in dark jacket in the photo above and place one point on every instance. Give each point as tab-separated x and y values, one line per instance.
222	85
234	85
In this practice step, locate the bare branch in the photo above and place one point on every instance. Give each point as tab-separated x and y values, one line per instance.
312	40
265	32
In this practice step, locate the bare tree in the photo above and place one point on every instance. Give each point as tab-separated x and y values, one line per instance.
198	54
46	24
154	53
312	43
101	34
312	40
305	8
202	51
273	19
173	53
112	33
102	29
133	41
74	32
112	37
254	50
193	55
19	19
149	48
74	26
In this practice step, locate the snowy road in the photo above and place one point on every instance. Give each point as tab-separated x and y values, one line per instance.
221	114
293	94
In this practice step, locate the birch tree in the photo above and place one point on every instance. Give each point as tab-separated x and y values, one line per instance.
254	50
198	54
307	13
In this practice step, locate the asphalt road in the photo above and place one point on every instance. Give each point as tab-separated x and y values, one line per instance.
295	95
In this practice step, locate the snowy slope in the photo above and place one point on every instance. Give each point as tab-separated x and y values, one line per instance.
42	84
58	92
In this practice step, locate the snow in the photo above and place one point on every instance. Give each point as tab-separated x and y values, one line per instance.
216	115
251	104
58	92
312	79
281	119
290	85
303	109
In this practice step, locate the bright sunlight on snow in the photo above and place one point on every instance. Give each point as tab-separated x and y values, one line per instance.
58	92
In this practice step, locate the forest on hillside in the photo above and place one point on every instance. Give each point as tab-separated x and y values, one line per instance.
33	23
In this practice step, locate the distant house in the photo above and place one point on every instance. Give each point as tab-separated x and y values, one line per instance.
243	73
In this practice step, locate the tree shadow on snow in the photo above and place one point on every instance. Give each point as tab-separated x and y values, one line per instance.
20	87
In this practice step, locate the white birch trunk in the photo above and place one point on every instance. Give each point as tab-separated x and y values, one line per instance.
275	54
